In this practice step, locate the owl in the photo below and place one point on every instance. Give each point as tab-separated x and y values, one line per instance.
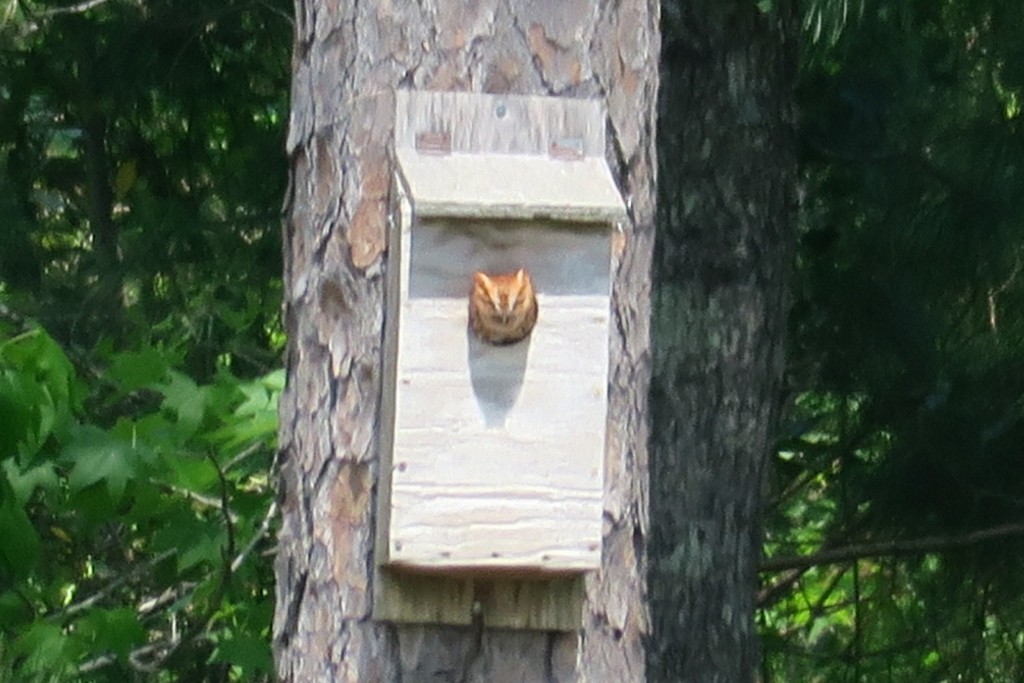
502	308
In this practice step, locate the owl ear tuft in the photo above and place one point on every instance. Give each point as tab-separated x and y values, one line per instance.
481	278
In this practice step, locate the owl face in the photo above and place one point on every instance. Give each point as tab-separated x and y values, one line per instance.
502	308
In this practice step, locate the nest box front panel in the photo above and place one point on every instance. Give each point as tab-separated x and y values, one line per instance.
498	450
494	423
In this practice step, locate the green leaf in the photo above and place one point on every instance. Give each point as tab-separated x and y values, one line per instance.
24	483
30	416
195	540
94	505
44	647
13	612
155	429
148	502
36	351
41	362
255	418
34	401
257	400
137	369
275	381
190	472
115	630
261	427
17	423
98	456
251	654
205	547
185	399
19	549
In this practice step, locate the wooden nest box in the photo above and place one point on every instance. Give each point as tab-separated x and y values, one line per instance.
494	453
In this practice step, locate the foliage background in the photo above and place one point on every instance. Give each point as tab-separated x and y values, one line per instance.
141	176
902	451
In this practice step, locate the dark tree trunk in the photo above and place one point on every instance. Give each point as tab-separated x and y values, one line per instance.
106	302
349	59
721	261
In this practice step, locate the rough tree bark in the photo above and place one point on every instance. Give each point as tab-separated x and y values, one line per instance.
349	59
720	268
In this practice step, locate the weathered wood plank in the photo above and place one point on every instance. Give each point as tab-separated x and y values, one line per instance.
498	452
511	186
499	156
499	124
551	603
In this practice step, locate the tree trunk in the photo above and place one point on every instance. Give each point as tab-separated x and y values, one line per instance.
720	268
349	59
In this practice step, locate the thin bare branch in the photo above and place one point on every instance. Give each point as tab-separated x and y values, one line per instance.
264	529
917	546
77	8
115	584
